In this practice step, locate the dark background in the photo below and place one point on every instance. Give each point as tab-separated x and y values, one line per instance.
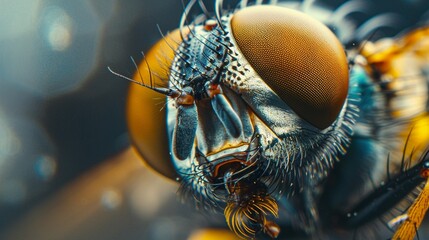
62	113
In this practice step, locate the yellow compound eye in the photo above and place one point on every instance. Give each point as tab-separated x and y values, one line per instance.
145	113
299	58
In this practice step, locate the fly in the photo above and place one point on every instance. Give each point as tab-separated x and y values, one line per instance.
278	123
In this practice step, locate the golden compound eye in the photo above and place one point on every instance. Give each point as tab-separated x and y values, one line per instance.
146	120
298	57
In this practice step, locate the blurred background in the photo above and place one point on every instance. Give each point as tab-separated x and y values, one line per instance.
66	168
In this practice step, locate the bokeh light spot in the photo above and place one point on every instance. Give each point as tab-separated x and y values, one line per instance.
111	199
58	28
45	167
10	144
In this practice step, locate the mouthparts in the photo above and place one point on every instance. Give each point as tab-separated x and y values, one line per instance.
248	211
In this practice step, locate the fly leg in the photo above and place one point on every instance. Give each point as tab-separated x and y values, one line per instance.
387	196
415	214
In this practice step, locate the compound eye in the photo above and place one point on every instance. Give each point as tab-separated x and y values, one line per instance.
299	58
146	117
